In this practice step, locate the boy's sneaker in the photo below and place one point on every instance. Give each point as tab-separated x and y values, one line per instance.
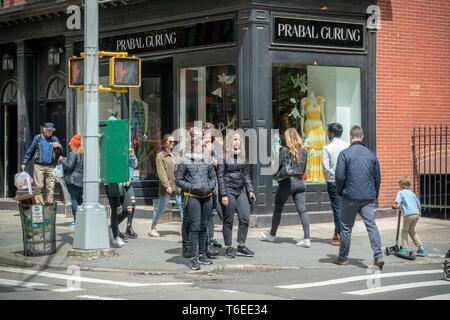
421	251
305	243
230	253
266	236
153	233
203	259
402	251
215	244
194	264
210	252
244	251
118	243
339	261
379	263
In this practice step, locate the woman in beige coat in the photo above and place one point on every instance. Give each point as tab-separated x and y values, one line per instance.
166	167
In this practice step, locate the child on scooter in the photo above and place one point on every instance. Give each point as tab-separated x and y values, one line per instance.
407	200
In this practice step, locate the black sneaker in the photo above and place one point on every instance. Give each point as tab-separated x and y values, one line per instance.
203	259
215	244
244	251
186	252
130	233
230	253
194	264
210	252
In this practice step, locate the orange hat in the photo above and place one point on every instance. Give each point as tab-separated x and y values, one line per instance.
75	141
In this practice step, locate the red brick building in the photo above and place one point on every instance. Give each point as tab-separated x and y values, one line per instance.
413	87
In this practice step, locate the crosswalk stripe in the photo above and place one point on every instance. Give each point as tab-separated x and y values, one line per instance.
399	287
99	298
90	280
438	297
15	283
357	278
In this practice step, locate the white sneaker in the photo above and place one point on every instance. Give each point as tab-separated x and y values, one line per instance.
117	242
266	236
306	243
153	233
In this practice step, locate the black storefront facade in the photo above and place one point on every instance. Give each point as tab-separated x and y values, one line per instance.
231	63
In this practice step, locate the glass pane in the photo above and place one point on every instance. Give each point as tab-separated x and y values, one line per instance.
308	98
145	125
208	94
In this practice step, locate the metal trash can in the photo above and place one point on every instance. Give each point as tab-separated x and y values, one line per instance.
38	228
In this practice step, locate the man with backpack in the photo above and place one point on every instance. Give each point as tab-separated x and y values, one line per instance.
45	151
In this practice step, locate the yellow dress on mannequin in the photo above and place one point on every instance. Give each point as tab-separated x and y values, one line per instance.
315	133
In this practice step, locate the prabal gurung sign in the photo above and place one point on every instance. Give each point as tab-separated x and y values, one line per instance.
194	35
304	32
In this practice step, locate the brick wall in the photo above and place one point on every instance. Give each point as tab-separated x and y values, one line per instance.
413	81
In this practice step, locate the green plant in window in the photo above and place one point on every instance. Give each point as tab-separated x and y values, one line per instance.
230	123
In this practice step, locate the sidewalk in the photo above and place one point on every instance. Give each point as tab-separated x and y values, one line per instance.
163	255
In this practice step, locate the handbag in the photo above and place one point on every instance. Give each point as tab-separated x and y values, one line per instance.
286	169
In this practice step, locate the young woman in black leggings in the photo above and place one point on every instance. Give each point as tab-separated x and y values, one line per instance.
293	185
195	175
235	190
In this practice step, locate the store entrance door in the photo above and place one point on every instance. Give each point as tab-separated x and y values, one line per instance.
151	116
11	160
56	113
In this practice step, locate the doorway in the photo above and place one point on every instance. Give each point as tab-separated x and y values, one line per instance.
10	148
151	116
56	113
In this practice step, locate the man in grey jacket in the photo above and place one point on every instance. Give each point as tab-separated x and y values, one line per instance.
330	154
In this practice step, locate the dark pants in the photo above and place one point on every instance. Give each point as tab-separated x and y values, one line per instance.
295	187
129	195
336	205
366	209
240	205
117	203
76	195
198	210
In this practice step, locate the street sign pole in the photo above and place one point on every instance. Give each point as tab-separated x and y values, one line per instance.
91	229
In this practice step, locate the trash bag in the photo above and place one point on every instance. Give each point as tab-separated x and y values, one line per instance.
58	172
23	182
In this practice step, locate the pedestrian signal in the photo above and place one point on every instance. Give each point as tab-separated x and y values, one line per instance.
76	72
125	72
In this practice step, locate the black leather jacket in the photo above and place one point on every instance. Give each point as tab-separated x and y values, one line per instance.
299	168
73	167
195	175
232	177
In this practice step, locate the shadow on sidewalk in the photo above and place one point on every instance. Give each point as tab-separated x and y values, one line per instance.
353	262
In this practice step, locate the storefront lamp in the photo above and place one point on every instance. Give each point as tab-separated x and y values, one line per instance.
7	62
53	56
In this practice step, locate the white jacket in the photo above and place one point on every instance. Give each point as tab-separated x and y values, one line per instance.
330	153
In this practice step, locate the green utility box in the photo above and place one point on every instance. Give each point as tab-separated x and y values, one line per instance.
114	151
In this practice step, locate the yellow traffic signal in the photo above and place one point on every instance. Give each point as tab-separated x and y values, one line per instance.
76	72
125	72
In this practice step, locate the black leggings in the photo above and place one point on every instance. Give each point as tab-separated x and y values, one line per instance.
121	207
240	205
198	210
295	187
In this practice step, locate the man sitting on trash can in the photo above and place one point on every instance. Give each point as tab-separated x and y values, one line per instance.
44	150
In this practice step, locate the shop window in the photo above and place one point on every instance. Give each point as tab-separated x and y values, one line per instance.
145	125
208	94
309	97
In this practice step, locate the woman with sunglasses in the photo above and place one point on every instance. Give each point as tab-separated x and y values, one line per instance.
166	167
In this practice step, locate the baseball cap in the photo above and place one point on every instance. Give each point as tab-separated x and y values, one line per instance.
49	126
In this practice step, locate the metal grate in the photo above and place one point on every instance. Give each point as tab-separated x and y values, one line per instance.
431	168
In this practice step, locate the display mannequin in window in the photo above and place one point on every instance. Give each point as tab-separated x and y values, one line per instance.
315	133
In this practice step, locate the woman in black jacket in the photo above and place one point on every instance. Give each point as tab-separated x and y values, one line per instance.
195	176
73	165
235	191
293	185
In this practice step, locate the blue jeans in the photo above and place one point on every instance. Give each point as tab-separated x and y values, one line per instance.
76	195
336	204
366	210
162	205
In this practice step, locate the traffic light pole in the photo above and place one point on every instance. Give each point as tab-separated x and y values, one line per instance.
91	229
